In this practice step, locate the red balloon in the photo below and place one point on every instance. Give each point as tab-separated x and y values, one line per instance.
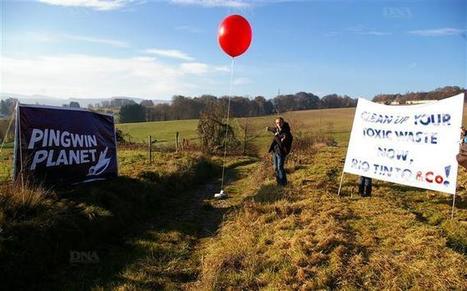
235	35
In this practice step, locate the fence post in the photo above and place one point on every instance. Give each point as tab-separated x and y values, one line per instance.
177	135
244	139
150	148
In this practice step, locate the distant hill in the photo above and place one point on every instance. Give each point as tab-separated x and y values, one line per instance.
57	101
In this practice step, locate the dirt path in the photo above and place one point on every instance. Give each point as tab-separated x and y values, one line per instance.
162	253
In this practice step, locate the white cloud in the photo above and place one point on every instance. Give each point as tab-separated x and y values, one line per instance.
50	38
362	30
201	68
39	37
224	69
93	4
377	33
242	81
87	76
194	68
105	5
111	42
231	3
175	54
439	32
214	3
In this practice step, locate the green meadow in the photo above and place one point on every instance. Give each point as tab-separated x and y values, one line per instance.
337	122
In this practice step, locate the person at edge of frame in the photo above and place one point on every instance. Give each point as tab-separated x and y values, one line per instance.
462	156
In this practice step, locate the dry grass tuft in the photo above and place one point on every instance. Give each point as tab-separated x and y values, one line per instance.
19	203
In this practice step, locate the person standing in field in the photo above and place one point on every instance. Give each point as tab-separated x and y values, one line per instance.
280	148
365	186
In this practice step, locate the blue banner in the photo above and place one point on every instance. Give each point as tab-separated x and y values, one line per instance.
56	145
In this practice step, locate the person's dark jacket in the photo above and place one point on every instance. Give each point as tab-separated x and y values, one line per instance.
282	142
462	156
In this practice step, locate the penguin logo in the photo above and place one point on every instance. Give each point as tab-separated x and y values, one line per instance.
101	165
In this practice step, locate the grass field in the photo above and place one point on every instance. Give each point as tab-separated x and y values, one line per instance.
300	237
158	227
338	122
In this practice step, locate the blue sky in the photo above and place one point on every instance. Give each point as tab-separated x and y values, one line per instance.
157	49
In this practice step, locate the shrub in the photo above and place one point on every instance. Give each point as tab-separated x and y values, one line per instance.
215	133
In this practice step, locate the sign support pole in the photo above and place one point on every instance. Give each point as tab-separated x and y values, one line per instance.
150	148
453	205
20	144
340	184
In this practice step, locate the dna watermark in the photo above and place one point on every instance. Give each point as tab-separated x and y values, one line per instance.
84	257
397	12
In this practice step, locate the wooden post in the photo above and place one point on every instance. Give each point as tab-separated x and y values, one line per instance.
177	135
245	138
340	184
150	148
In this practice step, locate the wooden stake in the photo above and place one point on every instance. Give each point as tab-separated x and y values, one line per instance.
150	148
340	185
177	134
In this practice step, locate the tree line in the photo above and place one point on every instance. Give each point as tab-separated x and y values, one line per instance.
436	94
183	107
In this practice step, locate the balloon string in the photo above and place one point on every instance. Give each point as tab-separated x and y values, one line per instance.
227	123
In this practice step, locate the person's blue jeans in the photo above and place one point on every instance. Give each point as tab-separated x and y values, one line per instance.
364	187
278	161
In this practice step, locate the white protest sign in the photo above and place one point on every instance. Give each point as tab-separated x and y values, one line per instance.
412	145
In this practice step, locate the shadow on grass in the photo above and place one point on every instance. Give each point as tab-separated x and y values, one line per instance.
269	193
168	237
243	162
461	201
102	219
402	189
